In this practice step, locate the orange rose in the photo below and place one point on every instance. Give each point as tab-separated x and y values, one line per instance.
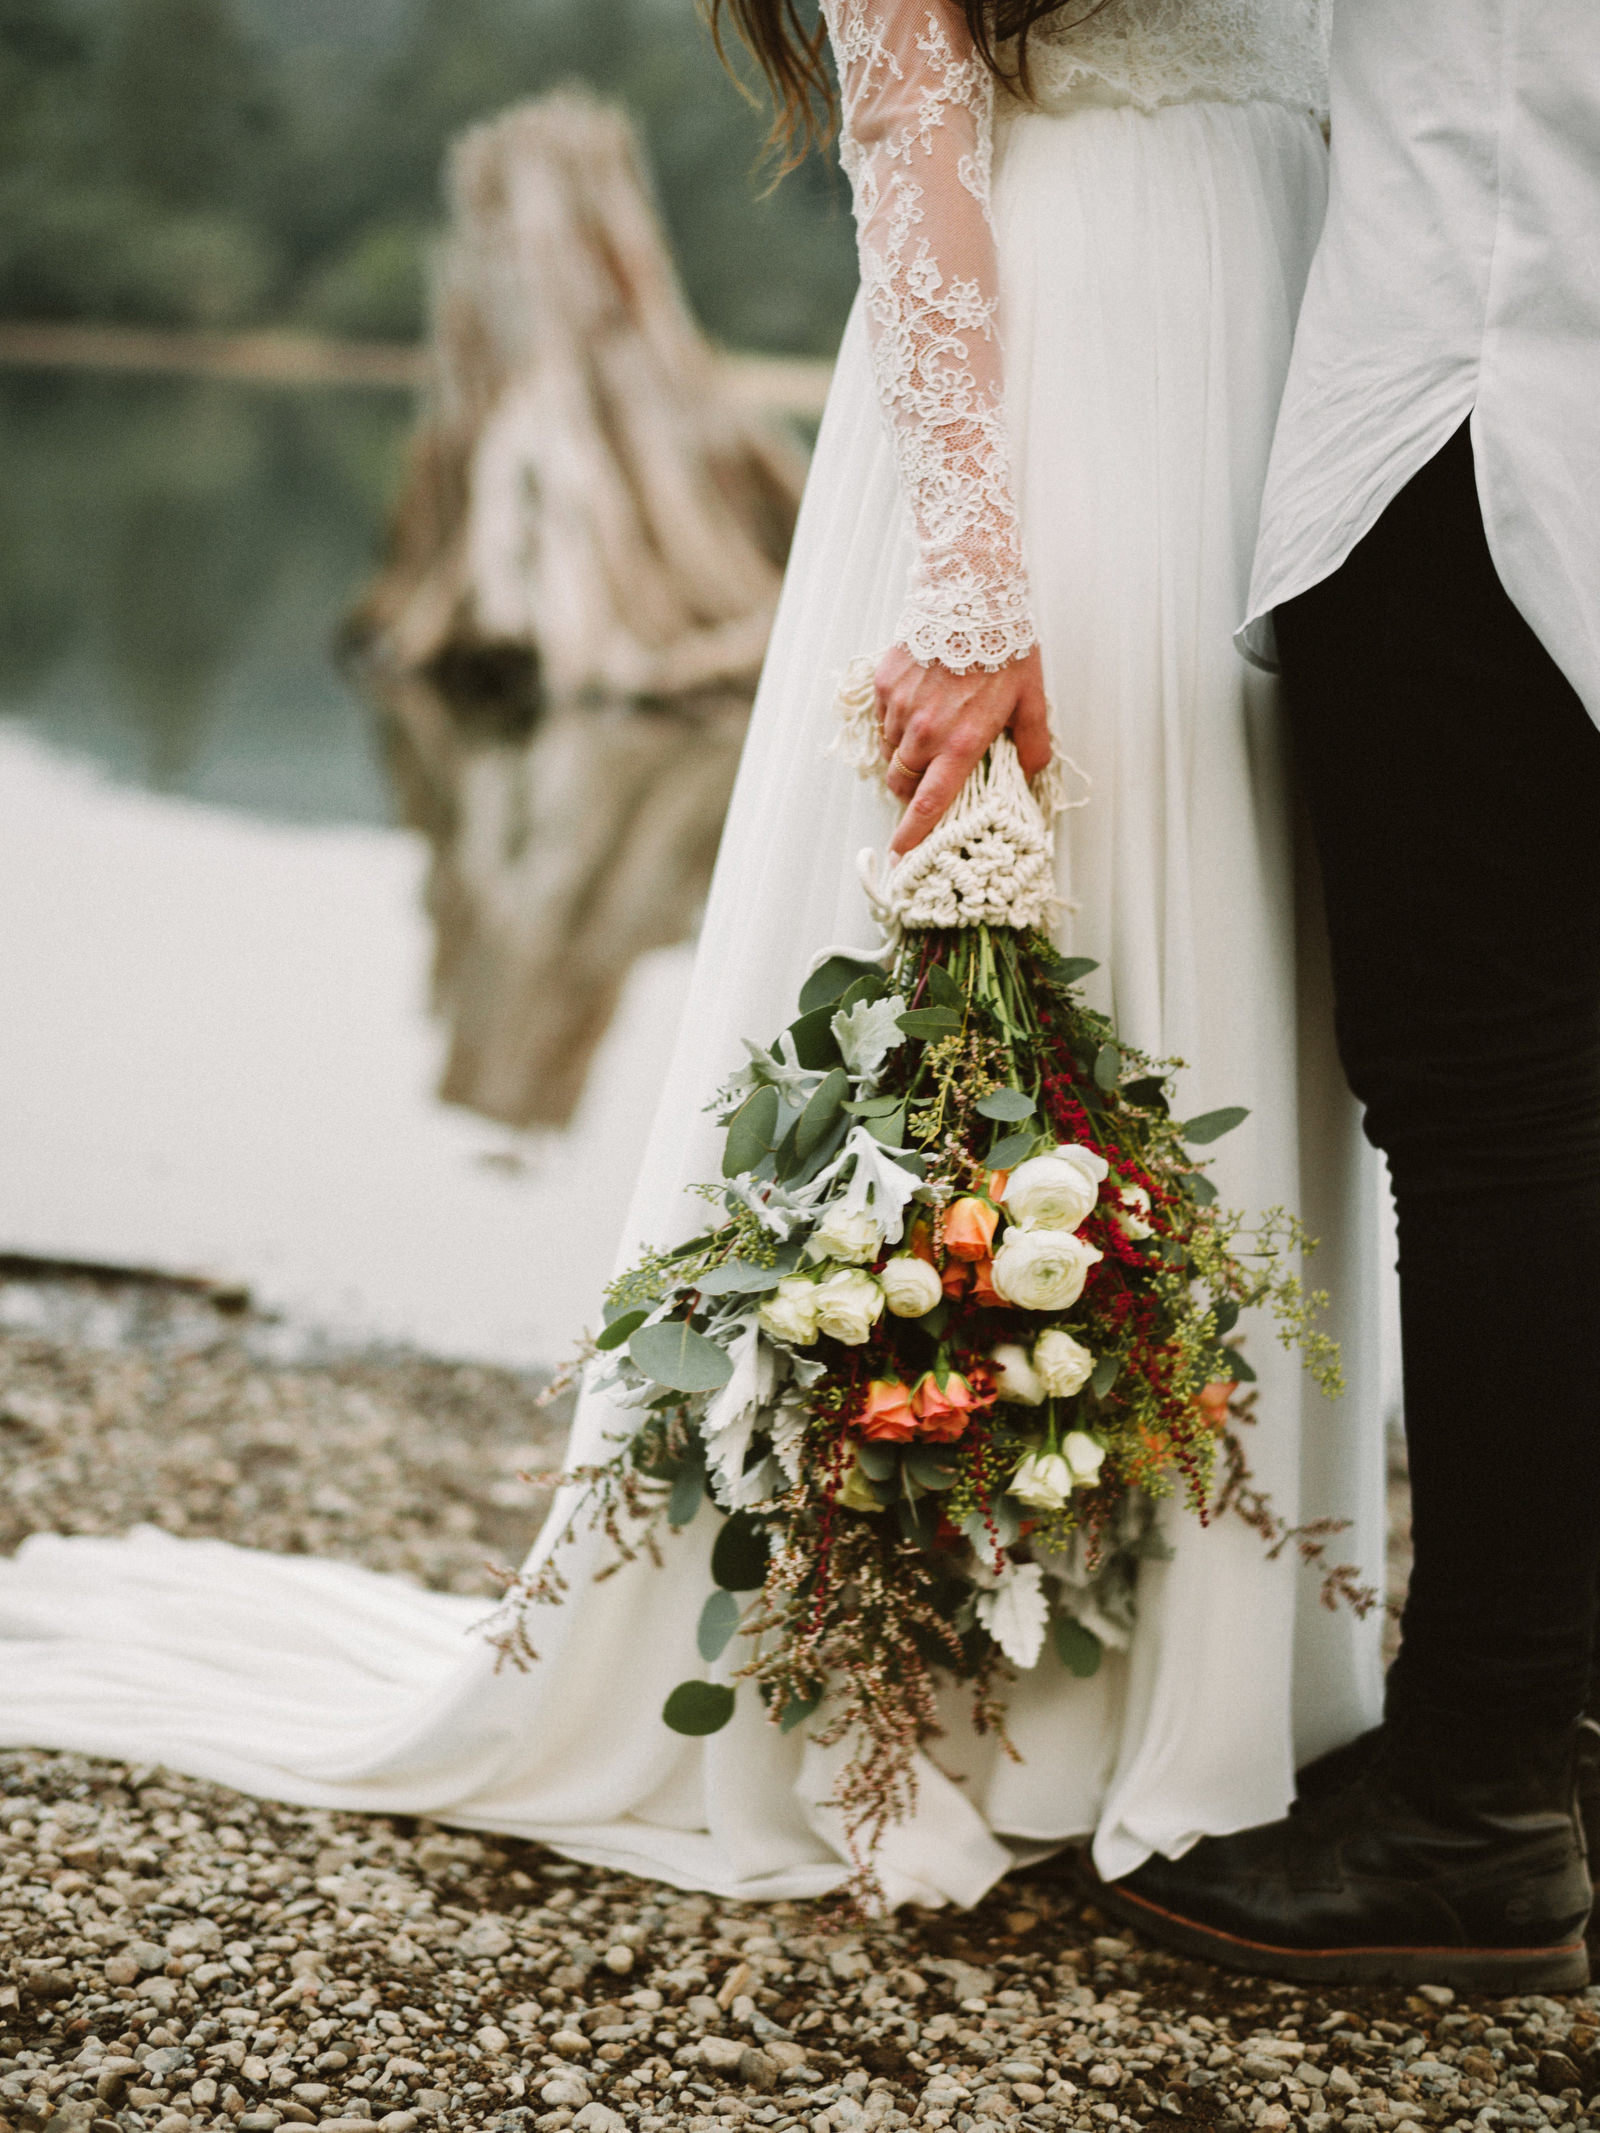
943	1412
1214	1402
955	1278
888	1416
921	1242
983	1288
969	1227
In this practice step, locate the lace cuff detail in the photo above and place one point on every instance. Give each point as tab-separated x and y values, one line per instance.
916	145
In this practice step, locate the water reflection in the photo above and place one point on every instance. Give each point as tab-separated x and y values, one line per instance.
219	1051
174	558
560	857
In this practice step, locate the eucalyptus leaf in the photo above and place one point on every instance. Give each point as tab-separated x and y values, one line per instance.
942	989
889	1128
1106	1372
929	1024
797	1710
719	1618
1107	1067
822	1154
873	1106
877	1461
833	978
752	1131
1149	1093
871	985
739	1277
930	1469
739	1555
698	1707
674	1354
1015	1148
1212	1125
1004	1516
1009	1104
822	1113
619	1330
1239	1367
1202	1191
1226	1315
1079	1650
1070	968
688	1493
815	1045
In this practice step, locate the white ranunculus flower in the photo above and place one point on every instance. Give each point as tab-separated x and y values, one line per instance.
1064	1365
1042	1269
790	1313
1083	1456
849	1235
849	1305
1015	1377
1134	1212
911	1287
1044	1480
1055	1191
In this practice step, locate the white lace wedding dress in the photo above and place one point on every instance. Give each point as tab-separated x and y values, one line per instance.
1135	242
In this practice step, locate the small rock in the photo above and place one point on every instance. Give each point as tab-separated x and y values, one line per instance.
570	2044
487	1937
311	2092
256	2122
397	2122
1437	1995
722	2054
756	2070
564	2088
600	2118
1104	2076
43	1981
161	1992
1111	1950
621	1960
492	2040
195	1936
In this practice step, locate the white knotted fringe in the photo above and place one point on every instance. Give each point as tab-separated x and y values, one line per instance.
990	861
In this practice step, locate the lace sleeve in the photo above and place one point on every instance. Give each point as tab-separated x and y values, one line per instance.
917	105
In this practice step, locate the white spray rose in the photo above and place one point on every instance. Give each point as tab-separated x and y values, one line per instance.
850	1235
1055	1191
1042	1269
1015	1377
1134	1213
849	1305
1064	1365
1044	1480
911	1287
1083	1456
790	1312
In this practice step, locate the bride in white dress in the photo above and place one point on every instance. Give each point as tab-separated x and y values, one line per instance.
1134	238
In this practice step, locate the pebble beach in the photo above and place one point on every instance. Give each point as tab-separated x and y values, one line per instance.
174	1956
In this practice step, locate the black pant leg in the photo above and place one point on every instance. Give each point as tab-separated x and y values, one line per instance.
1453	781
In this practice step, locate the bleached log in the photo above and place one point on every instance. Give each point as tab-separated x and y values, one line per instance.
587	482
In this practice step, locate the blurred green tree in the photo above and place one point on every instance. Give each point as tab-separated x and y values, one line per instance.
222	161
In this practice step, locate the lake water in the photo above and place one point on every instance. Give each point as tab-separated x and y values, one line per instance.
249	926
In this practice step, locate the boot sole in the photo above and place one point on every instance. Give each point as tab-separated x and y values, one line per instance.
1496	1970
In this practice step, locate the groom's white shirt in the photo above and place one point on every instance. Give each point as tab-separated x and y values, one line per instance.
1459	272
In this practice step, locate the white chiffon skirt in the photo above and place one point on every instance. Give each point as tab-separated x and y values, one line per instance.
1151	268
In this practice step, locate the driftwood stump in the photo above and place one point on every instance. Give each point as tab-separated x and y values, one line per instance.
585	484
588	547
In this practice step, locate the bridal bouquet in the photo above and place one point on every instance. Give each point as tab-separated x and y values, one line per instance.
965	1311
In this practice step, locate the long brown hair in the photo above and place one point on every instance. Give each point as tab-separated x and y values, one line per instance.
792	57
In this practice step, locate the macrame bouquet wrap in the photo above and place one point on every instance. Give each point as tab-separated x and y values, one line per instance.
965	1311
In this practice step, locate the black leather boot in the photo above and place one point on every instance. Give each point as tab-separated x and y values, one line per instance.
1406	1874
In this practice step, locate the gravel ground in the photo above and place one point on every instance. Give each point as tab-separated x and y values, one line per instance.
173	1956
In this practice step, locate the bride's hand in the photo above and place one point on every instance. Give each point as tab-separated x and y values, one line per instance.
936	726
